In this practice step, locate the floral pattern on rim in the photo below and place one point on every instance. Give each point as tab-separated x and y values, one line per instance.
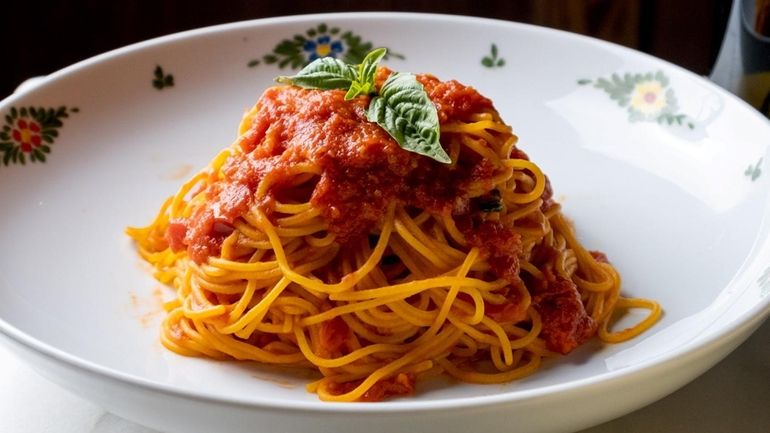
492	60
753	171
319	41
29	132
648	97
162	79
322	46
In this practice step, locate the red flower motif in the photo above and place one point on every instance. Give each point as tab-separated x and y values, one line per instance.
27	134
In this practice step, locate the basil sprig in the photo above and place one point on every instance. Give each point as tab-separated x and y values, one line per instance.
402	107
364	82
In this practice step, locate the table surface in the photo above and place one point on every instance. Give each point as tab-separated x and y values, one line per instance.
732	396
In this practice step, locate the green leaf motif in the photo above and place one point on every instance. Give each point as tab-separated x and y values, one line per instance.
647	97
619	89
162	80
671	119
357	48
753	171
492	60
300	49
326	73
286	47
40	156
404	110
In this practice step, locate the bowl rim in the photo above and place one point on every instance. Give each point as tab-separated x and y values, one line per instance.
689	352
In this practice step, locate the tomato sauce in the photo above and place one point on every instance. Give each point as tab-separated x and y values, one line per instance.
362	168
566	324
333	335
398	385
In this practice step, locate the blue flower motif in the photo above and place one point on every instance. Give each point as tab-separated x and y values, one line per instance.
323	46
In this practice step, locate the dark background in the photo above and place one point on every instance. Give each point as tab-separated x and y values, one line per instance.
42	37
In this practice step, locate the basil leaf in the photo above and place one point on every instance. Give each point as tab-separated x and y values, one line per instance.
368	68
405	111
364	82
326	73
357	89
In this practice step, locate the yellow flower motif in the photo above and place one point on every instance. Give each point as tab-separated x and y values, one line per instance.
648	98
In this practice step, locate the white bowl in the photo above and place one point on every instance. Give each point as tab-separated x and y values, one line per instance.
666	178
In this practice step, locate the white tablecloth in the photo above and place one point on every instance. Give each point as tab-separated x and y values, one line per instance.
734	396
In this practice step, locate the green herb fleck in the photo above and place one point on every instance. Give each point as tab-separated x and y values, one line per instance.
490	202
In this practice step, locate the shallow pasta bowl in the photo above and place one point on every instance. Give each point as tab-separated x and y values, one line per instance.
657	167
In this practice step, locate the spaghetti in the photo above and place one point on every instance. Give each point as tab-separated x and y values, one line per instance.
316	241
